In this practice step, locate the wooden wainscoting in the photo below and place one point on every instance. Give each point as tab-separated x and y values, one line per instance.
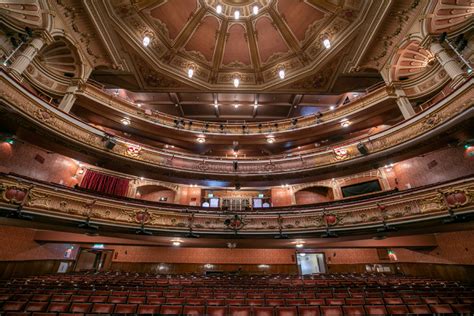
10	269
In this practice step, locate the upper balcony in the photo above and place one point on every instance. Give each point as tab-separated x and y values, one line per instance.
438	118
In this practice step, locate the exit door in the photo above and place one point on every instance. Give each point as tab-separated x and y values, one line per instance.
93	260
311	263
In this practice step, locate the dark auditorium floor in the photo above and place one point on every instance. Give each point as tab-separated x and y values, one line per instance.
271	295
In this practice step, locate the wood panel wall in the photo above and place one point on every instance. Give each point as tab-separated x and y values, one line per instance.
10	269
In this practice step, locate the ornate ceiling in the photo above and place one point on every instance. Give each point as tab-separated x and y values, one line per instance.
283	34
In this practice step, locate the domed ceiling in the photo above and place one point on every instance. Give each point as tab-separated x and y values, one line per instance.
266	37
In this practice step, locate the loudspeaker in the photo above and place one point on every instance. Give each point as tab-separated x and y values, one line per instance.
110	143
236	165
362	149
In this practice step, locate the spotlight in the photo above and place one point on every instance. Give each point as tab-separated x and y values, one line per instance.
255	9
146	41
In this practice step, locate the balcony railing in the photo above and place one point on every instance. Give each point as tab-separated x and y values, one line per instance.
444	200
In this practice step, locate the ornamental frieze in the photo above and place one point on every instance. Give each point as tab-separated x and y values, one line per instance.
67	204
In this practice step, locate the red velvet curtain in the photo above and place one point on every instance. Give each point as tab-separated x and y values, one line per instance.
103	183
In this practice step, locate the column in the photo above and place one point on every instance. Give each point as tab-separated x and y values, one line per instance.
26	56
450	65
404	104
68	99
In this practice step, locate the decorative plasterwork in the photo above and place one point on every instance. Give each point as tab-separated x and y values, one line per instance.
253	46
424	204
23	13
65	126
402	15
410	61
450	16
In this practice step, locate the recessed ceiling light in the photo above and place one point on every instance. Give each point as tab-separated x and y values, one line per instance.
125	121
302	254
237	14
332	107
201	139
270	139
299	245
146	41
139	105
176	243
255	9
327	43
219	9
236	106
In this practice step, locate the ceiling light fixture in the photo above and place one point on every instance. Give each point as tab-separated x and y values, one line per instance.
302	254
237	14
345	123
219	9
176	243
146	41
201	139
236	106
139	105
190	72
236	82
327	43
255	9
270	139
125	121
281	72
299	245
332	107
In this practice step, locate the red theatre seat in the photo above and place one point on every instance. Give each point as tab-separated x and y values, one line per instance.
463	308
441	309
194	310
255	302
80	307
375	310
148	309
355	301
60	298
240	310
393	300
195	301
286	311
233	301
216	310
397	309
308	310
98	299
315	301
353	310
419	309
40	297
335	301
125	309
331	310
101	308
136	300
36	306
175	300
215	301
171	310
275	302
117	299
155	300
58	307
263	311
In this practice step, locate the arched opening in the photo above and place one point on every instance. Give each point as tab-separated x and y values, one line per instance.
316	194
155	193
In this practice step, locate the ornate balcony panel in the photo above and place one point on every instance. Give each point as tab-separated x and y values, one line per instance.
436	201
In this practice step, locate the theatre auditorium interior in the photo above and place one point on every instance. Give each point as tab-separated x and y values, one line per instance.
236	157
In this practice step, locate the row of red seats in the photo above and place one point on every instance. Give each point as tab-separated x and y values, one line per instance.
252	302
107	308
